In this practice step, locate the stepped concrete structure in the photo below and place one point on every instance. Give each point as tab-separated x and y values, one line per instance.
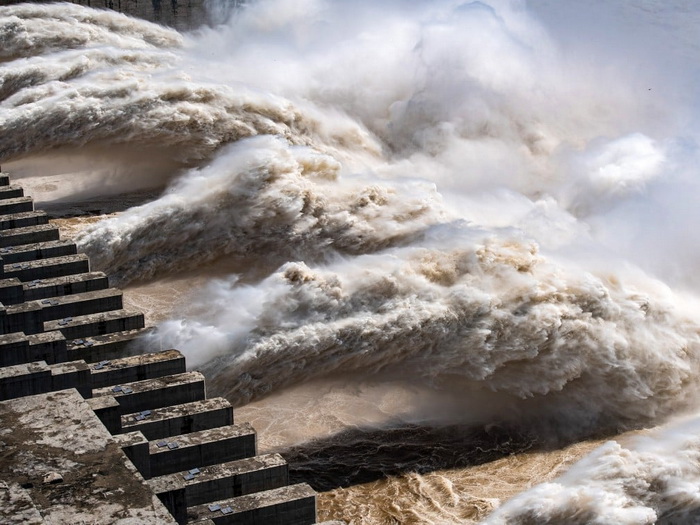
91	431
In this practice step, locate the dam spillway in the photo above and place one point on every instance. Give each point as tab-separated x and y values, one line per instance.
91	429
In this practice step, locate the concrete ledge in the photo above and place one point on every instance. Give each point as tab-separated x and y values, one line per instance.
23	317
24	380
29	235
37	250
292	505
39	378
14	349
48	268
202	449
156	393
16	205
217	482
48	346
75	374
11	291
109	346
135	446
106	408
22	220
11	192
97	324
76	305
137	368
180	419
18	348
65	285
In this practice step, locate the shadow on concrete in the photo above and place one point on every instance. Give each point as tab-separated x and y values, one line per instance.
359	456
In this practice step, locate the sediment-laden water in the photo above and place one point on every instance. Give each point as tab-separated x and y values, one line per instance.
436	251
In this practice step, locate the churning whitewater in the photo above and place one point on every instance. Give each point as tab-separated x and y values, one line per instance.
489	201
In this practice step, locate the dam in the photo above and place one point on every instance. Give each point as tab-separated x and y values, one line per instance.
93	432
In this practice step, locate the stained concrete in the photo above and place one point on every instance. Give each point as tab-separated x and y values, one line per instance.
292	505
217	482
17	348
58	433
180	419
201	449
23	317
105	347
13	349
64	285
156	393
24	219
106	408
29	235
16	505
40	377
97	324
11	291
11	191
16	205
40	250
47	346
135	446
137	368
24	380
48	268
78	304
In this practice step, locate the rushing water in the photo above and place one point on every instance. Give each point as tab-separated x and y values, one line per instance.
438	249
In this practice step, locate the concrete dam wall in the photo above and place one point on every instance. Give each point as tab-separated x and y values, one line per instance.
93	432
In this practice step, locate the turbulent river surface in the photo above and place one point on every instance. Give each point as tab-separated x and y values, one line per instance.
442	254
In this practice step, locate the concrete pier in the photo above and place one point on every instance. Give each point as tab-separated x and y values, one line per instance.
105	347
39	378
11	192
156	393
135	446
16	205
47	268
23	317
40	250
18	348
11	291
180	419
96	324
21	220
80	304
95	407
65	285
293	505
201	449
219	482
29	235
137	368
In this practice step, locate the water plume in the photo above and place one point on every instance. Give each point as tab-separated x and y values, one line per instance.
34	29
491	316
261	197
650	479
